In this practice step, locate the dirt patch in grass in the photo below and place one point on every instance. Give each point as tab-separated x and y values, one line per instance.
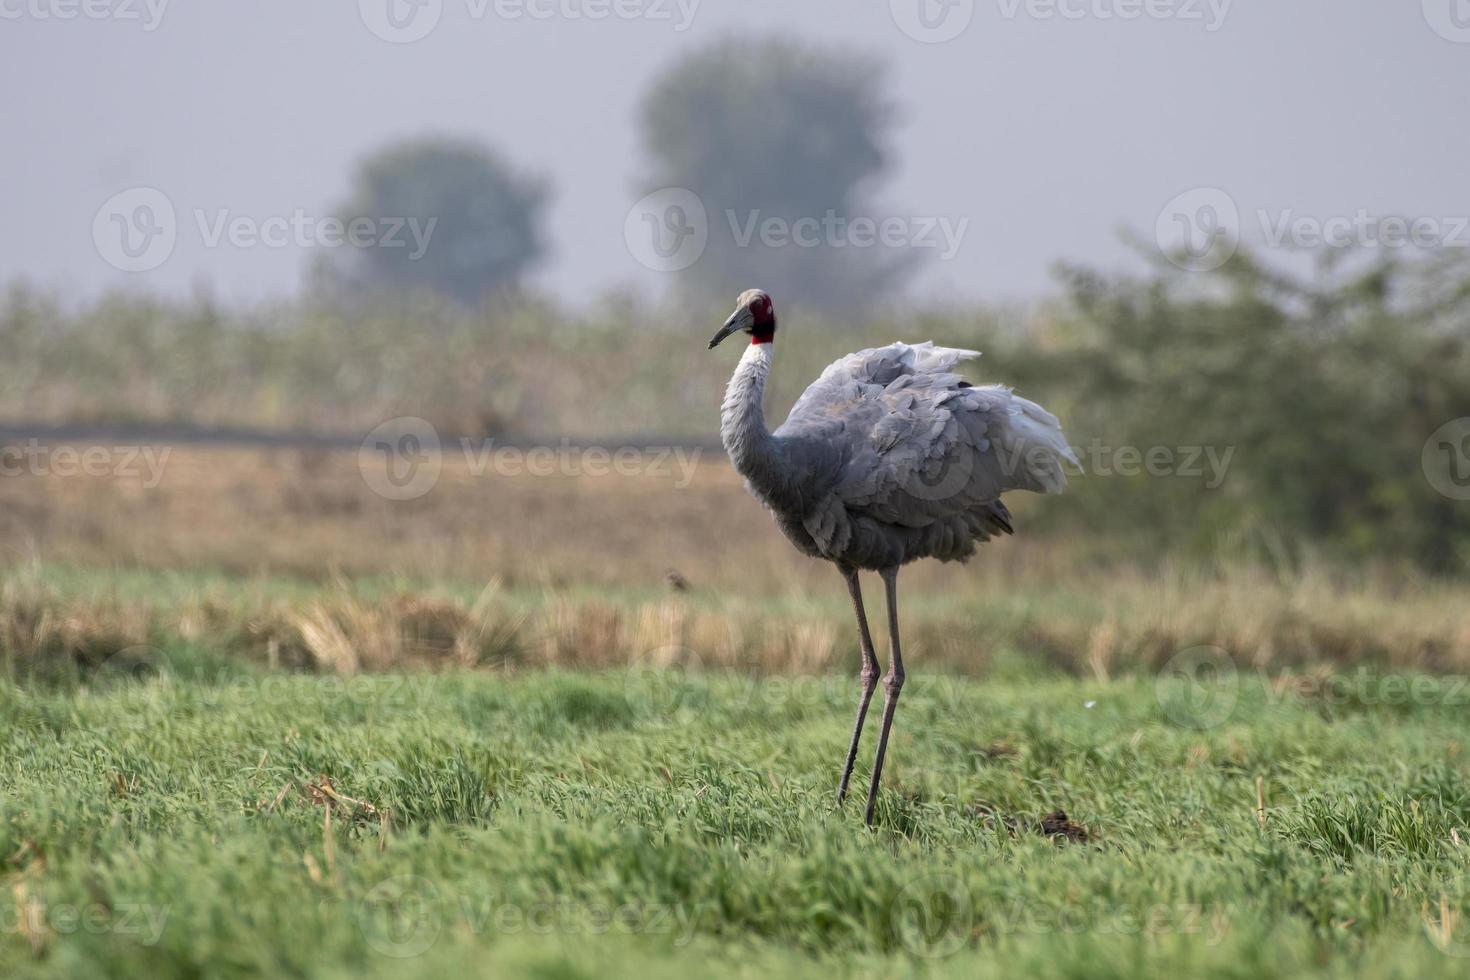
1061	829
1056	824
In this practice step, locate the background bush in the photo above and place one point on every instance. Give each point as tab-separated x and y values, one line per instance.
1324	391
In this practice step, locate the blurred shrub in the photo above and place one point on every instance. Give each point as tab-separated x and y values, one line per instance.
1324	395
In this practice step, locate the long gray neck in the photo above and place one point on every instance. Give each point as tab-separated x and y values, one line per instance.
752	449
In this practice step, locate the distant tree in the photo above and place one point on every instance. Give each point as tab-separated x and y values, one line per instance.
471	224
762	129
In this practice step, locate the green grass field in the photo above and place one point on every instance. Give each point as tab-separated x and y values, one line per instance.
197	817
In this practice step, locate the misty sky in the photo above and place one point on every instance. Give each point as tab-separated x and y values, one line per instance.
1048	132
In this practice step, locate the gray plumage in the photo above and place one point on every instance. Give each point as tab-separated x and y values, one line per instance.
889	456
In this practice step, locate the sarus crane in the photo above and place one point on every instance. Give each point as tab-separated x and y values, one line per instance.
888	457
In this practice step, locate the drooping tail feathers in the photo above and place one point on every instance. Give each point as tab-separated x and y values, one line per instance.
1038	442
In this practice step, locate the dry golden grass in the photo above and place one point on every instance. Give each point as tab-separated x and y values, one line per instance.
578	569
343	629
310	513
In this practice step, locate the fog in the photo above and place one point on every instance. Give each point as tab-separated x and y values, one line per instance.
1049	127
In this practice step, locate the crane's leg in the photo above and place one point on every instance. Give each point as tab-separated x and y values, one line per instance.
892	685
869	677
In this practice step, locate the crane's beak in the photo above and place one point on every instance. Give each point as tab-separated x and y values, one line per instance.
741	319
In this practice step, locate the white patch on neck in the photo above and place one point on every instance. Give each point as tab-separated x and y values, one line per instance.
755	352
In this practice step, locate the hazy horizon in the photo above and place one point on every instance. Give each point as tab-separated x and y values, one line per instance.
1044	133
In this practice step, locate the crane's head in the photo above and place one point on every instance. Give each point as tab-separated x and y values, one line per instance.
754	314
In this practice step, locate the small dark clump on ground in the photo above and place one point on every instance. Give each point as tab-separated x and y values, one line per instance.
997	750
1056	825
